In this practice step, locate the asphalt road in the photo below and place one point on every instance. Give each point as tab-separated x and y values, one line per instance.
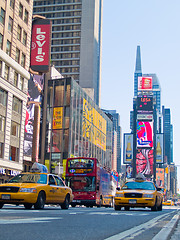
82	223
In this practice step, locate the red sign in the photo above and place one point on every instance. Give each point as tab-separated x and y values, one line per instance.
145	83
40	45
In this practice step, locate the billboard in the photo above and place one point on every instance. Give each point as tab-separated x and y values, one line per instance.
144	104
144	134
160	177
128	148
40	45
144	83
144	162
35	87
159	147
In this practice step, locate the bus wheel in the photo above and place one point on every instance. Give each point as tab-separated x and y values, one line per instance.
73	204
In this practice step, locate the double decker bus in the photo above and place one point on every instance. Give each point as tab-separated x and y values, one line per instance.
91	184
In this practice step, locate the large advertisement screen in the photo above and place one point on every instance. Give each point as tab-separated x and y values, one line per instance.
159	147
160	177
144	83
144	134
144	162
128	148
93	126
40	45
144	104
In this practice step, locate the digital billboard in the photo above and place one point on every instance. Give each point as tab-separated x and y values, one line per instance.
144	104
159	147
160	177
144	162
40	45
144	83
144	134
128	148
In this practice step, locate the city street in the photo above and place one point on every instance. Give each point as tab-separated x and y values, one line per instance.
82	223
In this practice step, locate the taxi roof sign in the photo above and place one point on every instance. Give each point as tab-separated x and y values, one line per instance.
38	167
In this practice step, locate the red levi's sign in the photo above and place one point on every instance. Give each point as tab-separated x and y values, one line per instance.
40	45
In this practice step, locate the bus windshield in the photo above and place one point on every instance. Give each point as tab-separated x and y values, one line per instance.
81	163
81	183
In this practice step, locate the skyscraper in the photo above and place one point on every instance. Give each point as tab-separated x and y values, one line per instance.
168	135
76	40
15	35
138	71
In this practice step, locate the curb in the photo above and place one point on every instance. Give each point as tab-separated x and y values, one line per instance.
167	230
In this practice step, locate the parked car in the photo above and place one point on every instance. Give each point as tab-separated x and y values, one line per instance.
37	188
138	193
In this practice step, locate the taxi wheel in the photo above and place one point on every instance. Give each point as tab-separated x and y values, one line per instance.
28	205
126	208
1	205
160	207
155	208
40	201
65	205
117	208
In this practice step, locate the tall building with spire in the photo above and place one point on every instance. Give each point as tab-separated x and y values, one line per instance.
138	71
76	40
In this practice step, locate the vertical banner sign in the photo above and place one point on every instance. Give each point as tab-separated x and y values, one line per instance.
159	148
144	134
128	148
40	45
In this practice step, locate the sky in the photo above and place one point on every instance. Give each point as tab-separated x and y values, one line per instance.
154	25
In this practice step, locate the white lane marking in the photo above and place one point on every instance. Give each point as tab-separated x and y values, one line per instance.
138	228
28	220
119	213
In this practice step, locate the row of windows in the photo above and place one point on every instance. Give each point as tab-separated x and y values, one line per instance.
69	70
66	28
66	34
60	14
65	49
65	55
40	3
58	8
64	21
16	80
21	35
12	3
20	57
66	41
67	62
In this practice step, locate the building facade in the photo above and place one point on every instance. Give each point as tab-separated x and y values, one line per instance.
15	35
76	40
75	126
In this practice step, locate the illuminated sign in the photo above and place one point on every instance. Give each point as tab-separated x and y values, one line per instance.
40	45
144	134
128	148
57	117
144	161
145	104
159	147
144	83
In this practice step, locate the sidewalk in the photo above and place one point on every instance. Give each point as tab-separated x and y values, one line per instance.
176	232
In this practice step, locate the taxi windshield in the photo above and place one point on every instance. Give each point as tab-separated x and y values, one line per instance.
29	178
139	185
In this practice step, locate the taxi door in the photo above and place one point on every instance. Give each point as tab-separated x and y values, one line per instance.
62	189
52	190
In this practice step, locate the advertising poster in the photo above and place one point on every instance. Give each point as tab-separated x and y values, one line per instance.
144	83
35	87
160	177
129	171
144	134
128	148
144	162
159	147
144	104
57	117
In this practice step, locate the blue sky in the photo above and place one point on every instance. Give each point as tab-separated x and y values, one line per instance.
154	26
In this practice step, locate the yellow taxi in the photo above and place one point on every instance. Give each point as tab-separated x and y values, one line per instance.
168	203
37	188
137	193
